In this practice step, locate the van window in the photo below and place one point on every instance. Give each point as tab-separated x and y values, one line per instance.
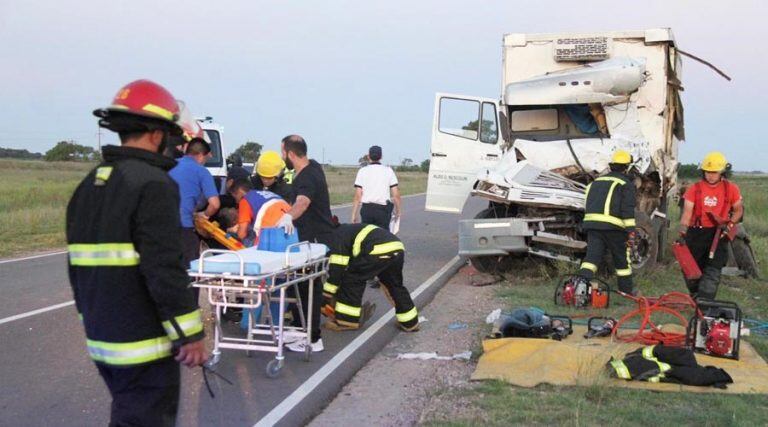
459	117
489	131
216	160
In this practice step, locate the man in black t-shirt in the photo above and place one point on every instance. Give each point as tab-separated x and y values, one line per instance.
311	213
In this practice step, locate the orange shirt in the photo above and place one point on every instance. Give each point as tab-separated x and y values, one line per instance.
712	198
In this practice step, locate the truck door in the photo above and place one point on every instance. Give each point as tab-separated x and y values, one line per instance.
465	140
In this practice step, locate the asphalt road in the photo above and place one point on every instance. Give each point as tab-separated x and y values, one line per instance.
47	378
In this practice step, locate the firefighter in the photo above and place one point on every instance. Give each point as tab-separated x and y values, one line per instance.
360	252
269	176
609	221
125	262
713	197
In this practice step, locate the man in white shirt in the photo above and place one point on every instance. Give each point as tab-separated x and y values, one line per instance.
376	188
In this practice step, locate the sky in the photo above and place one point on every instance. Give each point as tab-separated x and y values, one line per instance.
346	74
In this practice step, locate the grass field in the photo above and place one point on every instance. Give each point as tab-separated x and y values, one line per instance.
502	404
34	196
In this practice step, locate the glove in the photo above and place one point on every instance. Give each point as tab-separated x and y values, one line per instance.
683	230
729	230
286	222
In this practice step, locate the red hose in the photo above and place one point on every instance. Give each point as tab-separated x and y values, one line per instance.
648	333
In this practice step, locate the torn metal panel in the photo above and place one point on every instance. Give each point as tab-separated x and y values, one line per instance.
593	154
611	80
524	183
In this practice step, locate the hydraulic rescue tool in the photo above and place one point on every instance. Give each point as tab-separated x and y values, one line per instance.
597	330
716	329
576	291
724	229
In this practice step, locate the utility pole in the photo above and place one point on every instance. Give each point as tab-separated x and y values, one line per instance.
99	135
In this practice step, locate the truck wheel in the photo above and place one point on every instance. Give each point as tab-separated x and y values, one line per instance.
743	254
645	253
493	264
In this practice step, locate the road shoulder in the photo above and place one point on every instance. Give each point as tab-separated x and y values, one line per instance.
388	391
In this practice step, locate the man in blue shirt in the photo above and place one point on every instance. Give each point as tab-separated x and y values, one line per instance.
195	186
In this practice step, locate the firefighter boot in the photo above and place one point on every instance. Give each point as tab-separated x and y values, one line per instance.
367	311
710	279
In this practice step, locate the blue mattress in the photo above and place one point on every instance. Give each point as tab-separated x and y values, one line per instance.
256	262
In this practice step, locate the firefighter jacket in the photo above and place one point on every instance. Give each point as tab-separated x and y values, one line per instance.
658	363
125	260
352	241
610	203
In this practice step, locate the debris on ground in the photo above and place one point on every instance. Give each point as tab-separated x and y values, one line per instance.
465	355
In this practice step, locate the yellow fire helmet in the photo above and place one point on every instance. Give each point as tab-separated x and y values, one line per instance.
621	157
714	162
270	164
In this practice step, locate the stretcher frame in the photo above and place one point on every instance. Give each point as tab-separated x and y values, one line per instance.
224	290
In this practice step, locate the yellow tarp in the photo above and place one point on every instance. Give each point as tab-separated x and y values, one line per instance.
577	361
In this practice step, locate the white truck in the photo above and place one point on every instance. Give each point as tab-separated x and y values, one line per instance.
568	101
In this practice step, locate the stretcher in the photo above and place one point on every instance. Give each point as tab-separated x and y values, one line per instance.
250	279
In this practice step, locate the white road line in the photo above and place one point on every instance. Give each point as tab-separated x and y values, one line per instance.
310	384
31	257
38	311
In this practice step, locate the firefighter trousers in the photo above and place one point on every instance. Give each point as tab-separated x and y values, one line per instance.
146	395
699	241
615	242
389	268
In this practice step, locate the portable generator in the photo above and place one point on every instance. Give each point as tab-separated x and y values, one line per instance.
716	331
577	291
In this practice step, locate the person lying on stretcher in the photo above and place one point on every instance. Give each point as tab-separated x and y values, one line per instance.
360	252
256	210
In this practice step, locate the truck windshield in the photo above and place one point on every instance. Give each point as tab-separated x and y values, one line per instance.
216	160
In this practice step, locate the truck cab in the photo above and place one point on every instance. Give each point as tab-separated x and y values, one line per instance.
216	163
567	102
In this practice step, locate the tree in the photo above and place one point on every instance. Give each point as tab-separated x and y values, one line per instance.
248	152
406	162
424	166
488	131
688	171
13	153
70	151
363	160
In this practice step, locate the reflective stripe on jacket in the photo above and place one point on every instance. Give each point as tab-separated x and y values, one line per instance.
610	203
355	240
125	263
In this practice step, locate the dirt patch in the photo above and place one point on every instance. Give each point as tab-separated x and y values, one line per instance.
392	392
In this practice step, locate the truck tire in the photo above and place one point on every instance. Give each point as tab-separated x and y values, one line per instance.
645	253
743	254
493	264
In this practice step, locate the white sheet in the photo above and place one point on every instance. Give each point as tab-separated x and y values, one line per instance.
258	262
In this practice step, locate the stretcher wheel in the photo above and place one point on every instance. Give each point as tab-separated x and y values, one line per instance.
273	368
213	360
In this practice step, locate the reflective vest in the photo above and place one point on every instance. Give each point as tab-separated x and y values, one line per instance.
267	208
610	203
288	175
125	260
